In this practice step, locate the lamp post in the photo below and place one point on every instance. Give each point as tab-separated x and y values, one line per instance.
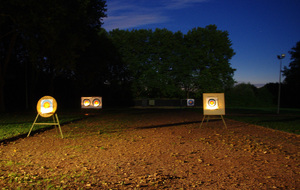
280	57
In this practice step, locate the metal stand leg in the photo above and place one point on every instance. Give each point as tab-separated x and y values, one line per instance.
55	122
224	121
202	120
32	125
207	117
59	126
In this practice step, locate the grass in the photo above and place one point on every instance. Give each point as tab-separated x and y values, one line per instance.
12	125
288	120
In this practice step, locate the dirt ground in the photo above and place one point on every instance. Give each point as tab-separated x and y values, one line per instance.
152	149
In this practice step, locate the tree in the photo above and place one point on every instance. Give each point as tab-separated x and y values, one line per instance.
164	64
247	95
291	83
207	60
292	74
50	32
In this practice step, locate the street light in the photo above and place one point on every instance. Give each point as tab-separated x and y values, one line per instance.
280	57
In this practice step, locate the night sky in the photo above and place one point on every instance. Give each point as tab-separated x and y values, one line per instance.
259	29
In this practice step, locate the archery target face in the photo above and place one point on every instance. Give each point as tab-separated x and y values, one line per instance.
86	102
213	104
96	102
91	102
190	102
46	106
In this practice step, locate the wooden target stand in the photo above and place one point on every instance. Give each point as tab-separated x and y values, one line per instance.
46	107
214	118
213	105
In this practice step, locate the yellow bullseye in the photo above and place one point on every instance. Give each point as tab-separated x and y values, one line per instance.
46	105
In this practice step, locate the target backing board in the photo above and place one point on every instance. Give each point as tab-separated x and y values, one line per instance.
190	102
213	104
94	102
151	102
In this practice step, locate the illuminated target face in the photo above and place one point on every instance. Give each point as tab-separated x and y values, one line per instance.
91	102
212	103
46	106
86	102
96	102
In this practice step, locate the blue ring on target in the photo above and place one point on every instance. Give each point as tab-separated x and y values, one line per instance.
46	108
212	102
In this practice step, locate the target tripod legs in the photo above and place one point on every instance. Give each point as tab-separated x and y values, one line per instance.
224	121
32	125
202	120
59	126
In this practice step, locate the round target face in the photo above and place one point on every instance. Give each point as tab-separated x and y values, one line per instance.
86	102
96	102
46	106
190	102
211	102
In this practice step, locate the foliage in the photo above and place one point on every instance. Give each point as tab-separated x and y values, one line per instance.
288	121
208	54
247	95
292	74
291	84
14	125
164	64
46	37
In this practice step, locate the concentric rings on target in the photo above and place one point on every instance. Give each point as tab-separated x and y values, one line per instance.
212	102
46	106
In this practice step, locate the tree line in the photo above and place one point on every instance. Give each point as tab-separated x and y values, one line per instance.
59	48
247	95
164	64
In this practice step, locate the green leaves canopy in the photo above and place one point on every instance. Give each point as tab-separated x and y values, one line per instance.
164	64
292	74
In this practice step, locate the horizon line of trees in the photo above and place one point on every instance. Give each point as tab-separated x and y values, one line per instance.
166	64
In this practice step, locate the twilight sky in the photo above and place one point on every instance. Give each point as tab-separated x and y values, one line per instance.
259	29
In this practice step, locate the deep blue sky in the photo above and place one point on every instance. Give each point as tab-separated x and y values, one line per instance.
259	29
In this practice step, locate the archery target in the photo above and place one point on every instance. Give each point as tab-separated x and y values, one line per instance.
46	106
91	102
213	104
190	102
151	102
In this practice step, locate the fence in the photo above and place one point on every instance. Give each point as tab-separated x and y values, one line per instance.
166	103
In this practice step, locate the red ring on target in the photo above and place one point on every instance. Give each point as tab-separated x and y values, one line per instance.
212	102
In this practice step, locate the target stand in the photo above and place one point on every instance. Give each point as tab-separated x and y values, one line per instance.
214	118
55	123
213	105
46	107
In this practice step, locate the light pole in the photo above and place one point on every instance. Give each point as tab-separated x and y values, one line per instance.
280	57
